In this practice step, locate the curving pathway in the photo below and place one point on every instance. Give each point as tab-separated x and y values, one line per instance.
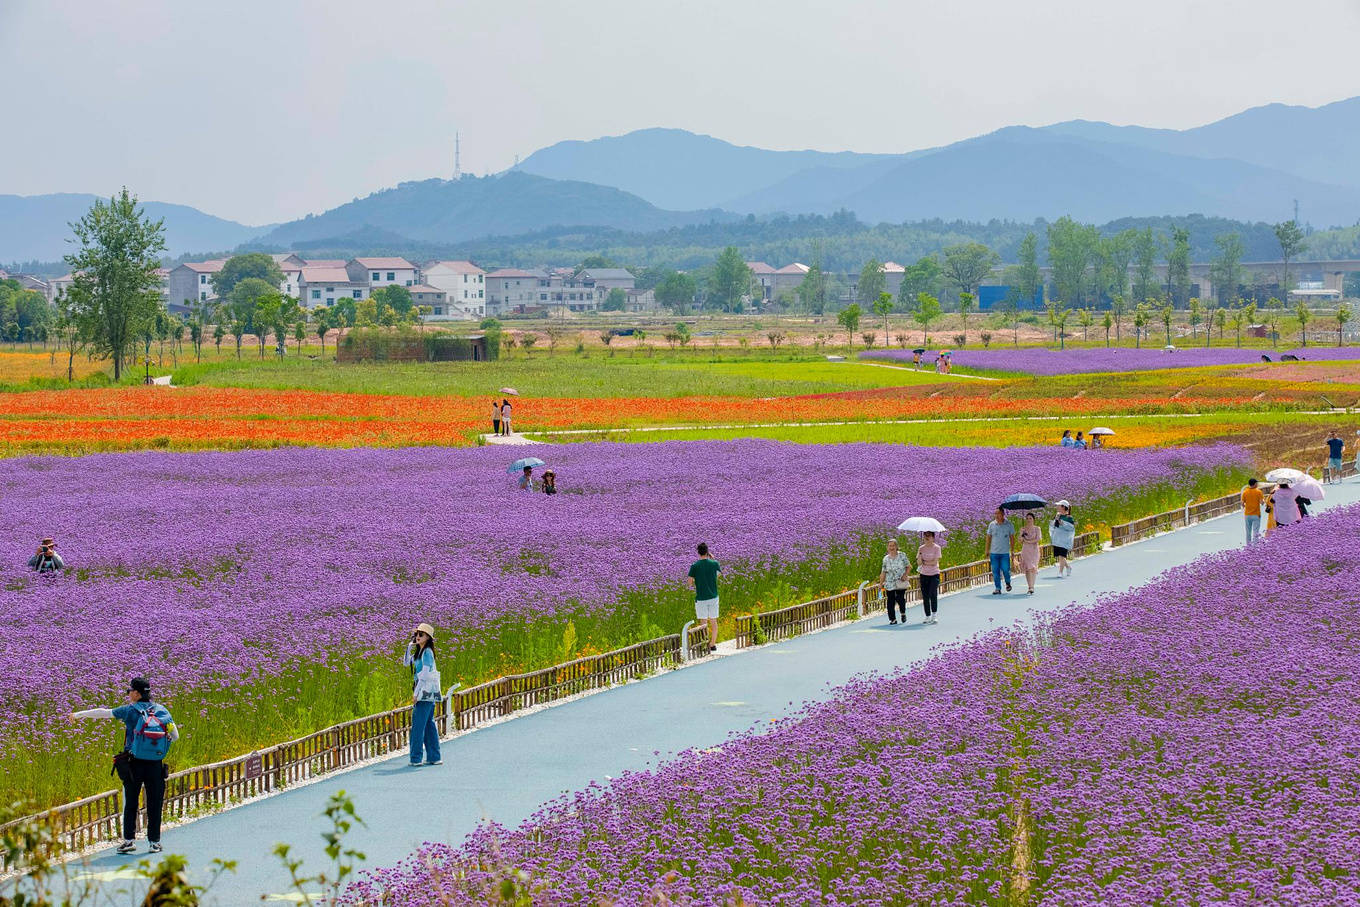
506	771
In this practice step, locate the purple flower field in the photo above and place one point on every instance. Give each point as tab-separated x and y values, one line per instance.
1042	361
1192	741
217	572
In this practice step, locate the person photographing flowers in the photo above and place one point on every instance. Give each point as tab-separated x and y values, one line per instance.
46	559
425	695
148	732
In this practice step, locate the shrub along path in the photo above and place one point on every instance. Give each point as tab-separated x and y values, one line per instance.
506	771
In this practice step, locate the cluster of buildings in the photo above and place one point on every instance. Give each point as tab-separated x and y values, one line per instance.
774	281
453	290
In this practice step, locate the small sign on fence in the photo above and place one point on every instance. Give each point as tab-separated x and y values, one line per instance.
254	766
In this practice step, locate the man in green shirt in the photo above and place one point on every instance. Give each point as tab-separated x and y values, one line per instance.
703	576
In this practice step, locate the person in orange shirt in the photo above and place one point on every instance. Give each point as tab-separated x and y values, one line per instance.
1251	508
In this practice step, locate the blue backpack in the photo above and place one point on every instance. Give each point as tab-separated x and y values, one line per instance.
151	736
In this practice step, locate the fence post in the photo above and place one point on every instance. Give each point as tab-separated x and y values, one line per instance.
859	596
684	641
1187	511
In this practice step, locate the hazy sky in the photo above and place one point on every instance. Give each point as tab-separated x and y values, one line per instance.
265	110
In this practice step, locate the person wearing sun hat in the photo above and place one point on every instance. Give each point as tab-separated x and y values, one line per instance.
46	560
425	695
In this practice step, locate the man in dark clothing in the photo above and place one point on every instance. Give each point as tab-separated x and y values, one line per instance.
703	576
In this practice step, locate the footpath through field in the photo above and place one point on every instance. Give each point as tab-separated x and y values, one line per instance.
506	771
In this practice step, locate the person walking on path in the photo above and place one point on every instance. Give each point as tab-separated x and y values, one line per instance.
148	731
1251	509
1062	533
505	418
1336	449
1000	547
703	576
1286	505
1030	539
495	418
928	576
425	695
893	579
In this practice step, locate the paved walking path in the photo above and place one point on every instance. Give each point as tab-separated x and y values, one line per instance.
506	771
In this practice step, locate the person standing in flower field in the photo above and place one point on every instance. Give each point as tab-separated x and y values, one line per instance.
425	695
505	417
1336	449
1252	497
893	580
495	417
1062	533
46	559
148	732
928	576
1000	547
703	576
1066	438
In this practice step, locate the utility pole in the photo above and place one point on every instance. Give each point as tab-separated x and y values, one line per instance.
457	157
1296	210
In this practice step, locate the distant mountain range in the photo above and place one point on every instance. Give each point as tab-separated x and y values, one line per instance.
1251	166
34	227
438	210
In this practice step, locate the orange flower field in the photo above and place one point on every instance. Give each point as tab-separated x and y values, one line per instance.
82	421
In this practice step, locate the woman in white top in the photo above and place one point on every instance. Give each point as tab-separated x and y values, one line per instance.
893	579
1062	533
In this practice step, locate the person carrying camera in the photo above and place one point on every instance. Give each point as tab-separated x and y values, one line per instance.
425	694
148	732
46	560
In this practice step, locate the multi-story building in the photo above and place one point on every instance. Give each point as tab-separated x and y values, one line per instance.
324	285
464	282
192	281
381	272
512	291
788	277
438	301
606	279
763	275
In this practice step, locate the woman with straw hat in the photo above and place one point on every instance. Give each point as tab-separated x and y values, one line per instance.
425	695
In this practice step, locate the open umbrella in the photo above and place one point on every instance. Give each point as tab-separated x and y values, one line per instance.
1170	348
518	465
920	349
510	390
921	524
1023	501
1284	474
1309	488
1101	431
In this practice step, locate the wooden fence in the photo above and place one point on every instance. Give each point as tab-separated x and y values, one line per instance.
208	787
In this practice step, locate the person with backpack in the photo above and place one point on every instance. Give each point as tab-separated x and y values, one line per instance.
425	695
148	732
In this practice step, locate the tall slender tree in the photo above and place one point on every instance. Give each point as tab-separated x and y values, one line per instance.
115	293
1226	269
1291	239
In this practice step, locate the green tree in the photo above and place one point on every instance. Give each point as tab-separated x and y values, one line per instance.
1196	316
1236	320
675	291
1225	271
927	310
1115	254
116	291
219	332
883	307
967	265
1167	314
1304	315
1117	308
1178	266
1221	319
1291	239
967	302
257	265
731	278
1028	277
1108	323
921	277
871	281
1058	314
848	318
1141	314
1343	315
1085	318
812	291
616	300
1145	249
73	331
1274	312
395	297
1071	251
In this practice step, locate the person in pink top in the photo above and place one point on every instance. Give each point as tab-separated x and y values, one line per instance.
928	576
1286	505
1030	537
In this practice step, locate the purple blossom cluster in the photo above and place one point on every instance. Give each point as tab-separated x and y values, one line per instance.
220	570
1192	741
1044	361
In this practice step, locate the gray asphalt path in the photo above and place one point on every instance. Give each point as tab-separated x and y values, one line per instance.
506	771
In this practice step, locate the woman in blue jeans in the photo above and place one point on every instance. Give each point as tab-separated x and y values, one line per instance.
425	693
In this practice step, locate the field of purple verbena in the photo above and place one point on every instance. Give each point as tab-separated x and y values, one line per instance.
1190	742
1043	361
219	572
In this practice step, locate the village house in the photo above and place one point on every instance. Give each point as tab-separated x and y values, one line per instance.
381	272
463	282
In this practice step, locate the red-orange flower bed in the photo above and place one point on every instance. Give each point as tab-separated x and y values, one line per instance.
79	421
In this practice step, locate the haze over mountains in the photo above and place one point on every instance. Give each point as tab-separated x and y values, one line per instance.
1251	166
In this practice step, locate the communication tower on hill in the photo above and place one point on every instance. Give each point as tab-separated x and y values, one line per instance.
457	157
